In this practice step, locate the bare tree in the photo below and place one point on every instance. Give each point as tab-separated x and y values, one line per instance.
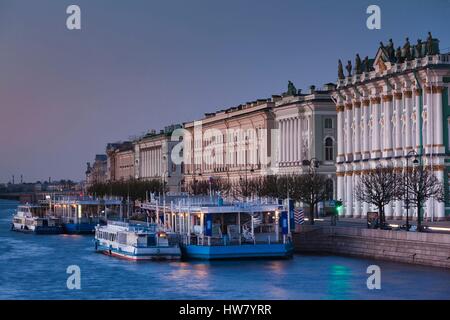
379	187
308	188
421	185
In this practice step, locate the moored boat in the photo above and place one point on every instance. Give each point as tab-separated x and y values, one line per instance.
34	219
137	241
213	229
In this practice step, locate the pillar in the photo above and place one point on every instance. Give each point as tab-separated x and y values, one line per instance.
349	194
357	128
340	132
376	152
438	121
398	149
387	106
419	120
366	116
349	144
408	121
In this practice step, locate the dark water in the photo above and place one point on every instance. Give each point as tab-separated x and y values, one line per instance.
34	267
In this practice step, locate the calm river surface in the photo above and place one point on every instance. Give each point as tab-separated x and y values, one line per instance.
34	267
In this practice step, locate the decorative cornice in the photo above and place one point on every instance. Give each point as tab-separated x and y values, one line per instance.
407	94
417	92
387	98
437	89
398	95
375	100
348	106
366	102
339	108
357	104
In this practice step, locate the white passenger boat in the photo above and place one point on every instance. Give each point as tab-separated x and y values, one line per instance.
34	219
137	241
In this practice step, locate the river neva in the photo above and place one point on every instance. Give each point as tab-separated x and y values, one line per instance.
34	267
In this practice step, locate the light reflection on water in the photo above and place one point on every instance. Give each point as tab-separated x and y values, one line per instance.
34	267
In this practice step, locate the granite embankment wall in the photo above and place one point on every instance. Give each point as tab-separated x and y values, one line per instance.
431	249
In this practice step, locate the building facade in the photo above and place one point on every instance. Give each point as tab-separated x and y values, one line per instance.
97	172
231	144
388	107
120	161
307	126
153	161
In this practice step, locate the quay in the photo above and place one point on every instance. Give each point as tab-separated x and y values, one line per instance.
422	248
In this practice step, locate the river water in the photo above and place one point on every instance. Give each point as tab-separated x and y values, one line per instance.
34	267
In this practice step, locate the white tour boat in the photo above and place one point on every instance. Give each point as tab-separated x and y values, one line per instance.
137	241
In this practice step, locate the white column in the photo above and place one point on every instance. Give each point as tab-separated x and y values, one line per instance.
408	122
398	127
296	139
419	119
300	139
289	140
430	114
357	210
366	106
349	195
376	127
387	105
284	139
357	126
438	124
439	213
348	114
340	132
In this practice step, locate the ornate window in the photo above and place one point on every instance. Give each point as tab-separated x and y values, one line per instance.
329	152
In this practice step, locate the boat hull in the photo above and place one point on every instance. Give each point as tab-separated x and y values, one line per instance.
238	251
79	228
38	230
141	254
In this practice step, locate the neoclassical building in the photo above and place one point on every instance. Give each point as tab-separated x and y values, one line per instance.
388	107
307	128
120	163
230	144
264	137
153	161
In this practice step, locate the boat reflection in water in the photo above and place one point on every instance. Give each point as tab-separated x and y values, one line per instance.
211	228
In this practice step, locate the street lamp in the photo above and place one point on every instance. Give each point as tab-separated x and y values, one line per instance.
415	162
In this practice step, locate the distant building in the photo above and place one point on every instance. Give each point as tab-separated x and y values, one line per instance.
120	161
96	173
152	158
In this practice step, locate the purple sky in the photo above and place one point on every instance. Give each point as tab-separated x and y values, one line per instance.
138	65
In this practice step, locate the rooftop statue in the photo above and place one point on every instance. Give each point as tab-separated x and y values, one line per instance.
340	70
418	49
292	91
432	46
398	55
366	64
357	64
407	49
390	49
349	68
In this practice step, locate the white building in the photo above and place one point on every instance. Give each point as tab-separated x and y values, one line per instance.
307	130
389	106
152	154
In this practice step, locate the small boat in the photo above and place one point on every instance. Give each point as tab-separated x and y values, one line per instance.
137	241
33	219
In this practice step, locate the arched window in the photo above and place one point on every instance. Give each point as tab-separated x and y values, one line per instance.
329	189
329	154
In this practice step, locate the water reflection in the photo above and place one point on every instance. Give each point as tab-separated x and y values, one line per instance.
34	267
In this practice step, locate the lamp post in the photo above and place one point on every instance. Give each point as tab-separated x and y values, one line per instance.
415	162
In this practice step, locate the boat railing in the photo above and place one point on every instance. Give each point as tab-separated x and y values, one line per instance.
200	240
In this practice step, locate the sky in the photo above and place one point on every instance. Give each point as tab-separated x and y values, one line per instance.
141	65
